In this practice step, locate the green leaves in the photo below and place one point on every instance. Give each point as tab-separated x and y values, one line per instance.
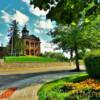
86	37
16	43
67	11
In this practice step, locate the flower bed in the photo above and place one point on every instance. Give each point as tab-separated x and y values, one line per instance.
88	89
75	87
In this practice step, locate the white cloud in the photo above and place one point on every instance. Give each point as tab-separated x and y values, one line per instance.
26	1
51	47
1	35
18	16
36	11
7	18
36	30
3	38
6	38
48	47
44	24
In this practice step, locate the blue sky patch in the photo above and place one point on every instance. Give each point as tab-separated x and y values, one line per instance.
34	18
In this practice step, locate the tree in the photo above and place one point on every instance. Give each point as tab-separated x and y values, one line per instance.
75	38
92	31
16	43
66	11
69	12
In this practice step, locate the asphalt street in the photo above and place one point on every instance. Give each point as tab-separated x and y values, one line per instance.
24	80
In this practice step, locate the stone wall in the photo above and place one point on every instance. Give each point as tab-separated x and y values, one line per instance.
56	64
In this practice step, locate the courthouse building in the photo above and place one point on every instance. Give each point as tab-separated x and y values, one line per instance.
32	43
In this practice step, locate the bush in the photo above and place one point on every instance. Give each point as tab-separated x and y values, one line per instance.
58	56
92	63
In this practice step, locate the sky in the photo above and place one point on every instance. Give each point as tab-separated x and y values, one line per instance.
25	14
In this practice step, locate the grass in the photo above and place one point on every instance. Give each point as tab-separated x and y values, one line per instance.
51	89
10	59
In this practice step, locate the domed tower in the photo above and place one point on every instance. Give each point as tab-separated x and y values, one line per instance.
25	31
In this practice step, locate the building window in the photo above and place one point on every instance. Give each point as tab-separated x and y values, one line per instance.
32	52
36	44
32	44
27	52
27	42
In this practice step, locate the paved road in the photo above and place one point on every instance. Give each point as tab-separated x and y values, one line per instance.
24	80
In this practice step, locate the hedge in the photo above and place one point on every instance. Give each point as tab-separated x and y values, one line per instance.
92	63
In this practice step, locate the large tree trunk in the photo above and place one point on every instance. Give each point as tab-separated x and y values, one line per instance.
76	58
71	54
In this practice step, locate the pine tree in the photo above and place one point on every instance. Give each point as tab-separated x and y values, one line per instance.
16	43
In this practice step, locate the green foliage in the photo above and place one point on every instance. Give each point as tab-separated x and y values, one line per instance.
3	52
86	37
16	43
87	94
82	54
67	11
58	56
92	62
75	38
11	59
91	32
54	90
75	14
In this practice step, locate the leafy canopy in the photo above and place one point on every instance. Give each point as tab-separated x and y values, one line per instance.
67	11
86	36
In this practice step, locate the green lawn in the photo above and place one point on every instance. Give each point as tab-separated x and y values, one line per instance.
28	59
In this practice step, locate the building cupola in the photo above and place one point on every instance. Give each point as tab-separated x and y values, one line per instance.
25	31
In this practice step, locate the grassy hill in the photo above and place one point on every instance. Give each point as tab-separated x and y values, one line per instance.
28	59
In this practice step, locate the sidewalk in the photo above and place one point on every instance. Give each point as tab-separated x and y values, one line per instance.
28	93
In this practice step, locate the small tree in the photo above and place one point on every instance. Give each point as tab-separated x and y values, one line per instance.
16	43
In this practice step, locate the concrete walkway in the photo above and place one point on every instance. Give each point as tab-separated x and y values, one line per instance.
28	93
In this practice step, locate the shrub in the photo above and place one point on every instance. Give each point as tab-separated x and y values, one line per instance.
58	56
92	63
